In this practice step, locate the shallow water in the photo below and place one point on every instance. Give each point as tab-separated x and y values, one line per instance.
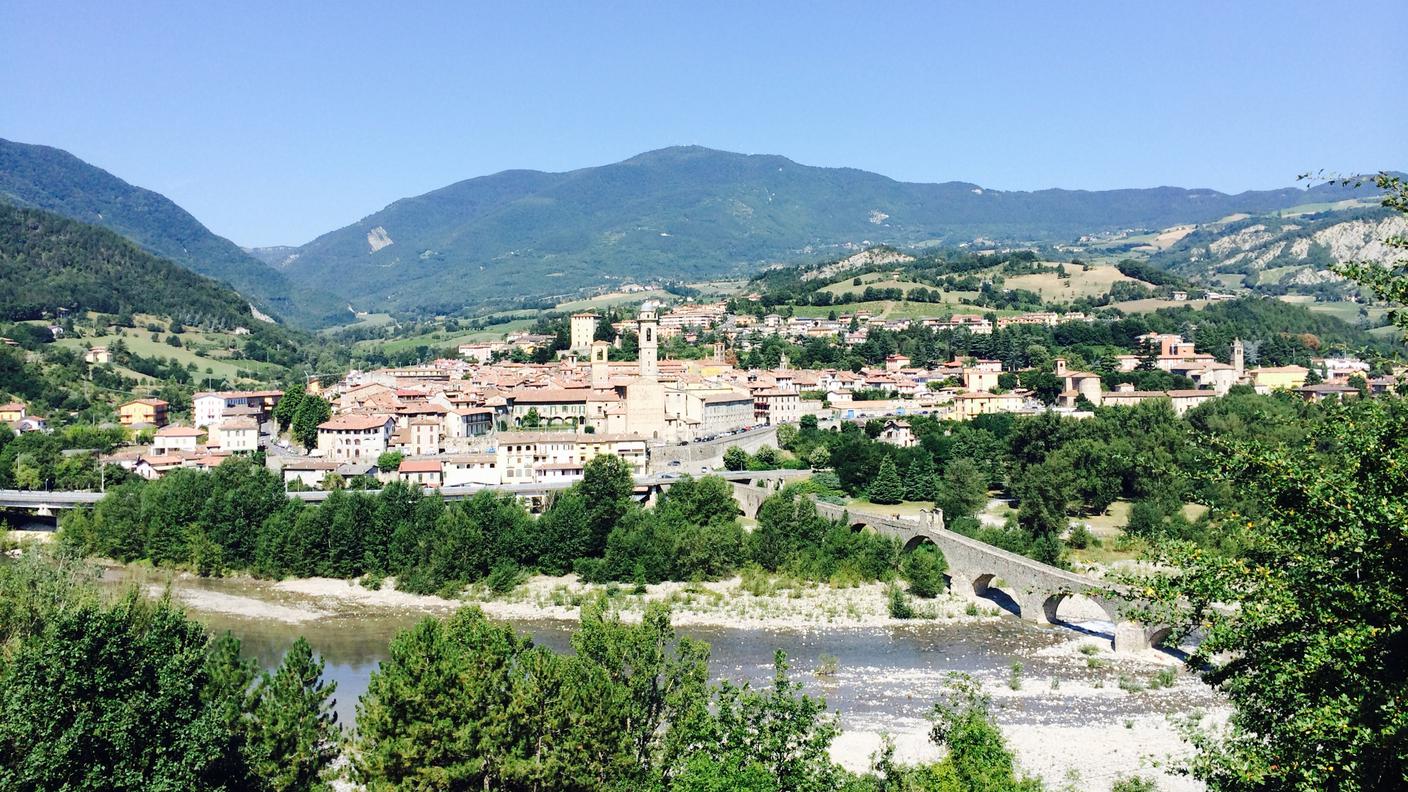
886	678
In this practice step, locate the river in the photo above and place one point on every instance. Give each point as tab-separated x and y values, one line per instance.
1070	687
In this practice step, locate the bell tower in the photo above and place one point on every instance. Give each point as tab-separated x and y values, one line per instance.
649	332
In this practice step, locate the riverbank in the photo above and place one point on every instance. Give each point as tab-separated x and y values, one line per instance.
764	602
1074	713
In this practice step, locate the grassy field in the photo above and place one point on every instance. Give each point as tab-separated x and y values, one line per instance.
1082	283
899	309
1153	304
614	298
208	351
1312	208
1373	316
366	320
446	338
878	280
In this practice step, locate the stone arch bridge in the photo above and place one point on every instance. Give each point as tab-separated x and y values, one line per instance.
975	568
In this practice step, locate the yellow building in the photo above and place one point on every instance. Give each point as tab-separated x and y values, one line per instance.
143	412
12	412
1270	378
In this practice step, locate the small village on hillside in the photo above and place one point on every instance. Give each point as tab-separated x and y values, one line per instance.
482	420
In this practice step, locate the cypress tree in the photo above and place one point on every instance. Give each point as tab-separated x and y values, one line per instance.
919	480
887	488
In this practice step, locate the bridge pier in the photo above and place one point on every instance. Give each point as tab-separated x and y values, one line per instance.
1039	606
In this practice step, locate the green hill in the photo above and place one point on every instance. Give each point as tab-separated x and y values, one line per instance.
54	180
692	213
49	262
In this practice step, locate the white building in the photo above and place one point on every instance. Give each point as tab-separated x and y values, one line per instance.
355	438
236	434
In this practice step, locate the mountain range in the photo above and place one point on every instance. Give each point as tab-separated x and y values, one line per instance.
682	214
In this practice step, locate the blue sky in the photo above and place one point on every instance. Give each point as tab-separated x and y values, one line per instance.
276	122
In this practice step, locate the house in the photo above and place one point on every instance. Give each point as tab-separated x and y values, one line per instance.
969	405
896	362
355	438
1078	383
898	433
1270	378
143	412
209	407
775	406
236	434
1181	400
154	466
12	412
310	473
528	457
1327	390
458	470
178	439
421	472
977	380
31	423
97	355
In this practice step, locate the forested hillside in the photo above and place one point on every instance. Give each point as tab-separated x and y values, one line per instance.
52	179
48	262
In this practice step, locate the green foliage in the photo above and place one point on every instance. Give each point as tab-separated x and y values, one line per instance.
303	427
962	490
924	568
114	697
887	487
1134	784
1302	625
898	603
62	263
735	458
978	754
293	734
389	461
919	479
288	405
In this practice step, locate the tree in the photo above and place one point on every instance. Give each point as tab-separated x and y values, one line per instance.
979	756
288	405
961	491
1303	627
389	461
924	568
312	410
887	489
530	419
735	458
919	479
464	728
607	485
294	734
1044	493
115	697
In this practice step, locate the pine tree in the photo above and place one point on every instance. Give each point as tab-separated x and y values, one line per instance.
919	479
293	737
887	488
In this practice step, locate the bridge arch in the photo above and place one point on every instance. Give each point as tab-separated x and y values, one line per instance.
919	540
